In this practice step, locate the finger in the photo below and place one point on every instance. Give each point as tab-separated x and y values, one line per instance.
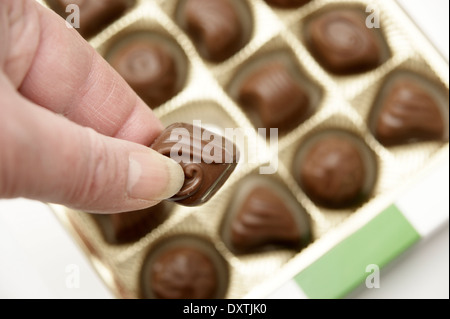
53	66
46	157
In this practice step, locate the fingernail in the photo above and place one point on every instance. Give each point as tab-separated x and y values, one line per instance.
152	176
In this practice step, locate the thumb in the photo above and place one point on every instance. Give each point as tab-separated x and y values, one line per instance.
46	157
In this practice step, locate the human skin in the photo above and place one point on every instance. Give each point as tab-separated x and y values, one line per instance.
72	131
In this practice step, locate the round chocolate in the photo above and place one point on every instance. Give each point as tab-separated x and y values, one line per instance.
408	113
184	267
215	27
287	3
341	42
95	15
148	67
332	172
184	273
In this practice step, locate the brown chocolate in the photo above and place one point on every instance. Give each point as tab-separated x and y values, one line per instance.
264	216
287	3
342	43
128	227
184	273
263	219
409	113
207	159
95	15
333	172
215	28
273	98
148	67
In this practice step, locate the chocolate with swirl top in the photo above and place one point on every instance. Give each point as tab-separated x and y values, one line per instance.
342	43
206	158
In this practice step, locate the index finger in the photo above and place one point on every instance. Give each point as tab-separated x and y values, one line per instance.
68	77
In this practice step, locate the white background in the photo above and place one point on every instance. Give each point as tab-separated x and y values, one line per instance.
36	252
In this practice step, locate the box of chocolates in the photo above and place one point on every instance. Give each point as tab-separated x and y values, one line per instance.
301	126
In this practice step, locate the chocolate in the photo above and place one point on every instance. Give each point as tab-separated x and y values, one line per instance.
184	273
149	67
215	28
128	227
184	267
264	216
273	97
332	172
95	15
207	159
342	43
287	3
409	113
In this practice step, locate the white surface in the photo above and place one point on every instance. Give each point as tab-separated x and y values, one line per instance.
289	290
36	253
39	259
426	216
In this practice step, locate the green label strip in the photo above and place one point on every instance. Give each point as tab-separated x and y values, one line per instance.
343	268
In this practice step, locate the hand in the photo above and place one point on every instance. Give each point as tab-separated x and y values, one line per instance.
71	130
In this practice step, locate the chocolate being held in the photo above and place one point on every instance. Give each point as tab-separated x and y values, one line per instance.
207	159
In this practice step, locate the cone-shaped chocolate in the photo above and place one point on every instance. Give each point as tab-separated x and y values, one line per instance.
264	216
264	219
408	114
